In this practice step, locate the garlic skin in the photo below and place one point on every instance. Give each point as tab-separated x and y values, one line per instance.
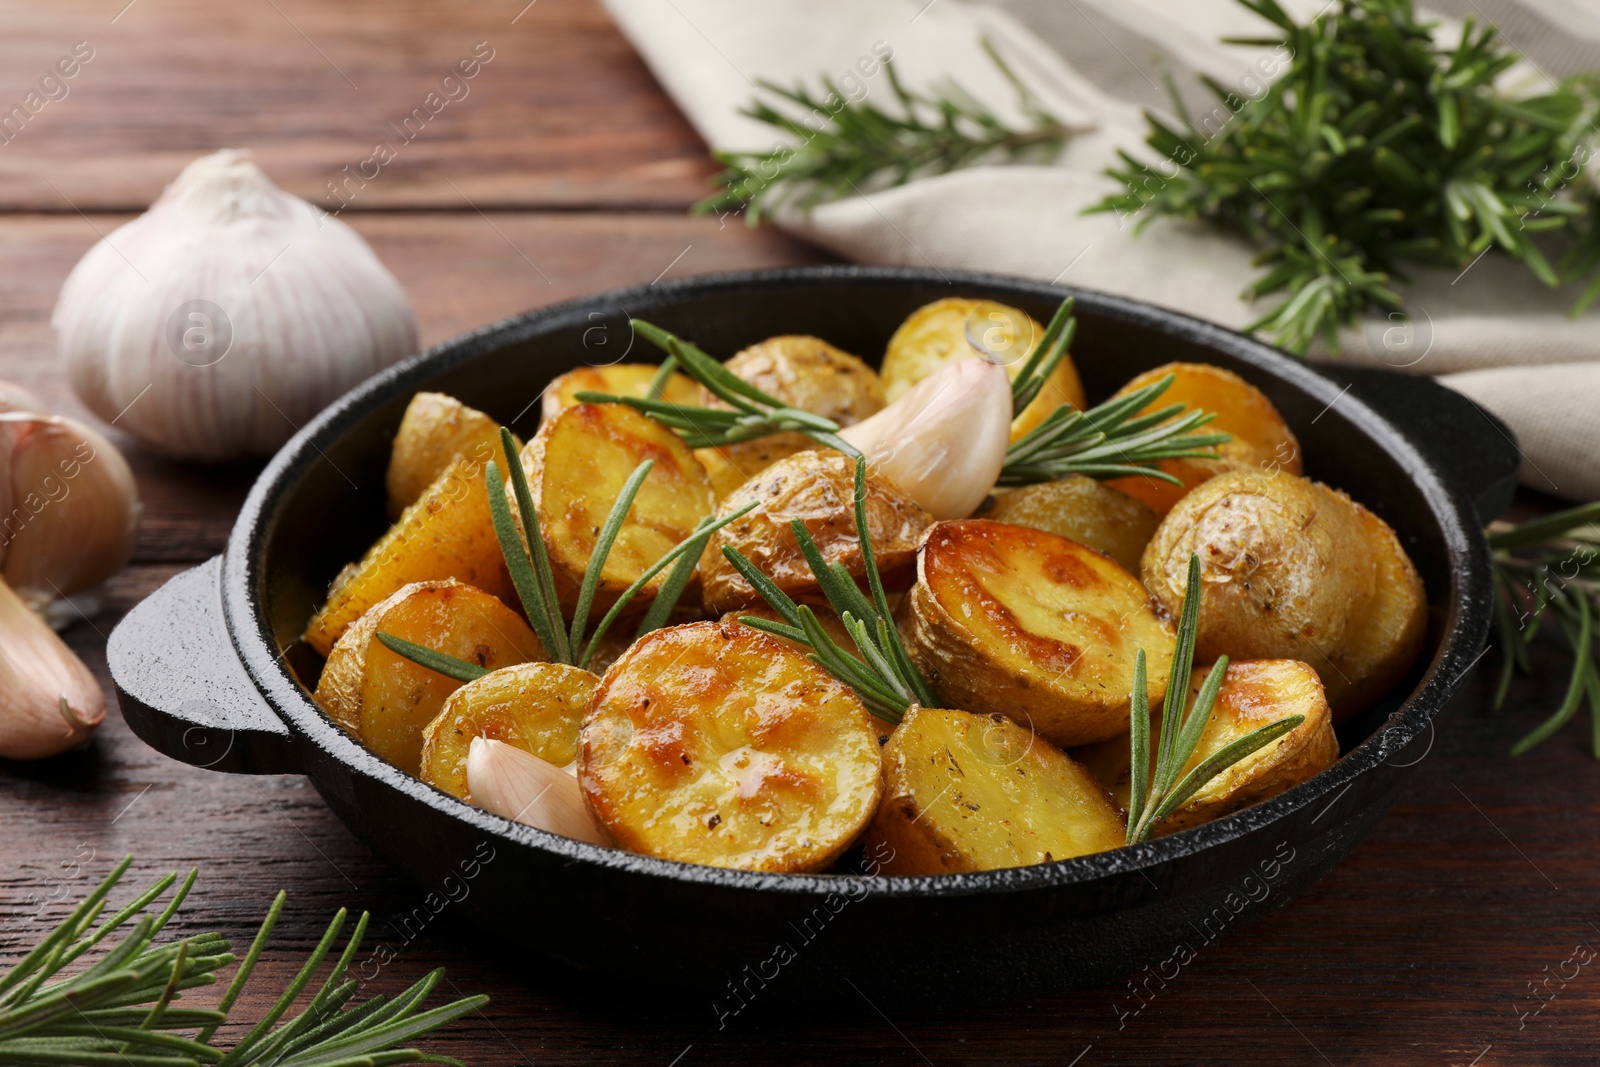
943	442
49	702
524	788
241	309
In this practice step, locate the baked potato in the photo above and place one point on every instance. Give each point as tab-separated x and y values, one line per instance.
618	379
447	533
1254	693
383	699
1286	571
818	488
1260	437
576	466
535	706
1082	510
941	332
965	792
1038	628
718	744
435	430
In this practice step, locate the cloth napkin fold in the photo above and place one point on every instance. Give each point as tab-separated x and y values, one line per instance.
1492	332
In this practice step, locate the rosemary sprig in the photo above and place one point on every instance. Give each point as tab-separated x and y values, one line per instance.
1155	796
120	1012
882	675
861	146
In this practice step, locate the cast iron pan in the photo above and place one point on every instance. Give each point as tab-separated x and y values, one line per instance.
208	671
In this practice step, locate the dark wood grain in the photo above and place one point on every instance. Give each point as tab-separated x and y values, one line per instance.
1420	948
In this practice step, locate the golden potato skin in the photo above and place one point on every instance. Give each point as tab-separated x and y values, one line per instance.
1033	626
383	699
818	488
434	431
1261	439
826	619
1082	510
936	334
966	792
447	533
730	466
1254	693
577	464
619	379
717	744
535	706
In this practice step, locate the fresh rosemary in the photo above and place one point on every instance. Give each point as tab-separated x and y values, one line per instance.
1154	796
841	147
122	1011
1374	152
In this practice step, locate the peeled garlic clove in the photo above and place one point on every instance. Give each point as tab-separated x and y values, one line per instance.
73	507
225	317
524	788
49	702
943	442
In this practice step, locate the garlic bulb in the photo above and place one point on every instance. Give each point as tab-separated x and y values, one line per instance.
217	323
943	442
524	788
49	702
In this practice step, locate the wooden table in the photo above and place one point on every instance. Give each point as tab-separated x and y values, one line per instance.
567	171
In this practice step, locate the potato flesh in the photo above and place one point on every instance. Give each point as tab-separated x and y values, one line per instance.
447	533
817	488
1082	510
535	706
383	699
965	792
577	465
435	430
618	379
717	744
1033	626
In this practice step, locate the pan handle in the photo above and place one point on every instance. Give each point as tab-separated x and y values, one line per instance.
182	688
1472	447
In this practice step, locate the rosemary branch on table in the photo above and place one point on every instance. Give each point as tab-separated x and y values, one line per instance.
123	1009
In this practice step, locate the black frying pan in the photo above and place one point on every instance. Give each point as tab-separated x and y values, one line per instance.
208	670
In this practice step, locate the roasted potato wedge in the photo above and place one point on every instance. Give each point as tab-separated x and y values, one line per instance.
1254	693
576	466
619	379
435	430
717	744
1261	439
818	488
1038	628
383	699
535	706
941	332
1286	571
730	466
1082	510
1379	648
966	792
447	533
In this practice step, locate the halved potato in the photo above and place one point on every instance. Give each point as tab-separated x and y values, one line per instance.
730	466
1381	645
447	533
818	488
1082	510
383	699
966	792
1261	439
1286	567
619	379
717	744
576	467
435	430
1254	693
1033	626
535	706
938	333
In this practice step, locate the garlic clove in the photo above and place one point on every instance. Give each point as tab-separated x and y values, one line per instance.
524	788
73	507
14	397
49	702
943	442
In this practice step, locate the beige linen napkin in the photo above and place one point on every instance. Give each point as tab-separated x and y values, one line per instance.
1491	331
